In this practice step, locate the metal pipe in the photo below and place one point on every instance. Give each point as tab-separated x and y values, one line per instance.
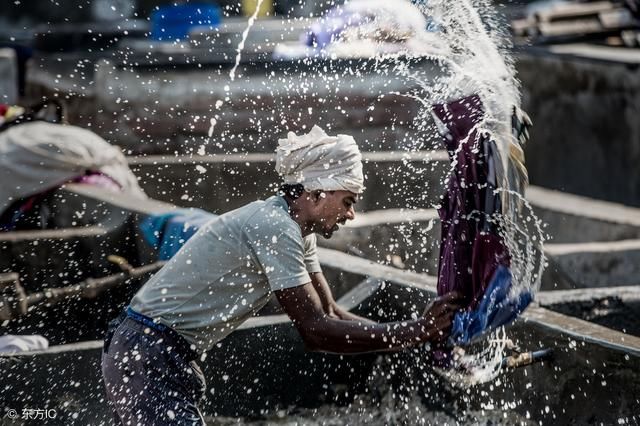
15	305
526	358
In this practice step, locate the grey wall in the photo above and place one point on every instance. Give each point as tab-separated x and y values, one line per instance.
8	76
586	136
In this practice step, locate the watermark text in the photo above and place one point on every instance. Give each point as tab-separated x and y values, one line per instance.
31	414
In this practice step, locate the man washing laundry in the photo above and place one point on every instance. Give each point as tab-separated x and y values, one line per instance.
229	269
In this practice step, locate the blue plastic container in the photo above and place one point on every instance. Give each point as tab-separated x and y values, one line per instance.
173	22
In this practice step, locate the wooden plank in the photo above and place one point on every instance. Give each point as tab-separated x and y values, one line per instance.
523	27
624	293
617	19
573	10
54	234
575	27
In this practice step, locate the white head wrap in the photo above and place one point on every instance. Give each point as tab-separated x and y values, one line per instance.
319	161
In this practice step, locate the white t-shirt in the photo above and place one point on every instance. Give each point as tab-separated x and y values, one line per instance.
227	271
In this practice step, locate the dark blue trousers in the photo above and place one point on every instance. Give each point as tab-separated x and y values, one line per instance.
151	377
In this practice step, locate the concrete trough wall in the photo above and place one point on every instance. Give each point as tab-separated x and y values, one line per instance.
395	179
593	378
166	105
220	183
403	236
585	102
594	366
600	264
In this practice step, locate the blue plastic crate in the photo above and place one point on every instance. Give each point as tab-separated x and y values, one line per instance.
175	21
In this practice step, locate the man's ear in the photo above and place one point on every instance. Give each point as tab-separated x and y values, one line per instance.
318	195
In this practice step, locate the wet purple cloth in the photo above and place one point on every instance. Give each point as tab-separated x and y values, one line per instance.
470	249
474	260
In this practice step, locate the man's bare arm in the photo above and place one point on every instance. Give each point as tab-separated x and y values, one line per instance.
329	304
322	332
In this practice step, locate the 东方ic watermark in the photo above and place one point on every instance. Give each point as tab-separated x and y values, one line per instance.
31	414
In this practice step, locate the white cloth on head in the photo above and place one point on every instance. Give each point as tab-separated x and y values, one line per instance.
320	162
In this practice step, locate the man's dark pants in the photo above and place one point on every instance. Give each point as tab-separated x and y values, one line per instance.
150	375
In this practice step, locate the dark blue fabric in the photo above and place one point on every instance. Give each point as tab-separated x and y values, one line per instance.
148	381
495	309
168	232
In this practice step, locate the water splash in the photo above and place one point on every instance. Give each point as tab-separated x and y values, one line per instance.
473	59
245	33
212	125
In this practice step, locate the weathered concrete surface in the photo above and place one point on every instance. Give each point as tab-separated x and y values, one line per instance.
597	256
8	77
267	100
585	109
166	104
219	183
584	104
599	264
408	238
571	218
95	223
395	179
403	236
614	307
593	378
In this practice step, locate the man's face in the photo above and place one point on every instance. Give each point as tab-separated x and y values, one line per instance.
334	208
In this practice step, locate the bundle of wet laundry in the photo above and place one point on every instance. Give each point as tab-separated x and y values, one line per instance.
474	258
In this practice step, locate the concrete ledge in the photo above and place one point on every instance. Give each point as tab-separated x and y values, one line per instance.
617	55
584	103
580	295
258	157
583	330
53	234
577	205
268	346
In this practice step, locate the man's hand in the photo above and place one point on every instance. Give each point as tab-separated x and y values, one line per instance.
438	316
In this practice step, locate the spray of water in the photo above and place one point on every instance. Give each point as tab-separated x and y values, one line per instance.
245	33
232	74
473	59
